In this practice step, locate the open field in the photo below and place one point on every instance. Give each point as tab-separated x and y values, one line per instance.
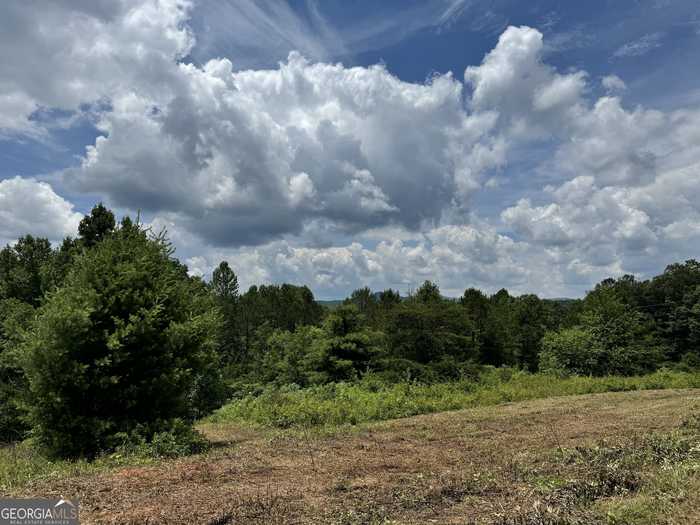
625	457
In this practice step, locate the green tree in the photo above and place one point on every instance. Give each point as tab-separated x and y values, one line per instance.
571	351
22	267
15	317
477	307
428	293
364	300
349	346
428	333
388	299
97	226
501	340
126	345
532	319
224	285
54	273
343	348
685	321
613	339
671	299
296	357
280	307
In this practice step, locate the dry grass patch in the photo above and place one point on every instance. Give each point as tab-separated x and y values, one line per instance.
524	463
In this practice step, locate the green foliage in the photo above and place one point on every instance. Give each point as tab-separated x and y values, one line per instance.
388	299
428	332
180	439
282	307
375	307
224	286
373	400
224	282
364	300
54	273
613	338
348	347
97	226
428	293
120	346
532	319
570	351
670	300
22	268
15	316
341	349
592	351
295	357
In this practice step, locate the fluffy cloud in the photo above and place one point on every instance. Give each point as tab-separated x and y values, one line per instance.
613	83
246	156
30	206
454	256
637	229
68	53
530	97
343	176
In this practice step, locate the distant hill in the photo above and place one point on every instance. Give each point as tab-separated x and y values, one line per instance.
331	304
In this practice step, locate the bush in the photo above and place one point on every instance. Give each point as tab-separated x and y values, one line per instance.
14	317
178	440
120	348
570	351
595	351
373	400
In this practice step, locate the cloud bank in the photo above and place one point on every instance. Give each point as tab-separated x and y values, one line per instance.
343	176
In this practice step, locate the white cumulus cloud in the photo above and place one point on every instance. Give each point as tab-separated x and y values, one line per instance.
28	206
337	176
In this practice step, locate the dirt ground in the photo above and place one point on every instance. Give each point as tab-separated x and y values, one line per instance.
488	465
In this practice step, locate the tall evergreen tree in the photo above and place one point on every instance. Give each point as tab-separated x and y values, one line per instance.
125	346
224	285
428	293
95	227
224	282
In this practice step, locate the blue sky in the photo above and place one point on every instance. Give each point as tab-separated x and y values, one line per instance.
568	151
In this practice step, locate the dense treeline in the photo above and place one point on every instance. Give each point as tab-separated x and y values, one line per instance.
622	327
105	340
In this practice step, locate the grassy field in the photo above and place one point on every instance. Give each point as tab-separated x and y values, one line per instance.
628	456
625	457
339	404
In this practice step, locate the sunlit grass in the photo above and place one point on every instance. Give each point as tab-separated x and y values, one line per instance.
353	403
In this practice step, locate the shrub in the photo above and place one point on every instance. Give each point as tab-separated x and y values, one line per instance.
571	350
371	399
180	439
14	317
599	351
120	347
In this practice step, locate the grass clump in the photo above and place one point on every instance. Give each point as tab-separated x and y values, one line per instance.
179	440
371	400
21	463
644	480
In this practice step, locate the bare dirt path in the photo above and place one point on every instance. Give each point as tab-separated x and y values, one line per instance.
452	467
